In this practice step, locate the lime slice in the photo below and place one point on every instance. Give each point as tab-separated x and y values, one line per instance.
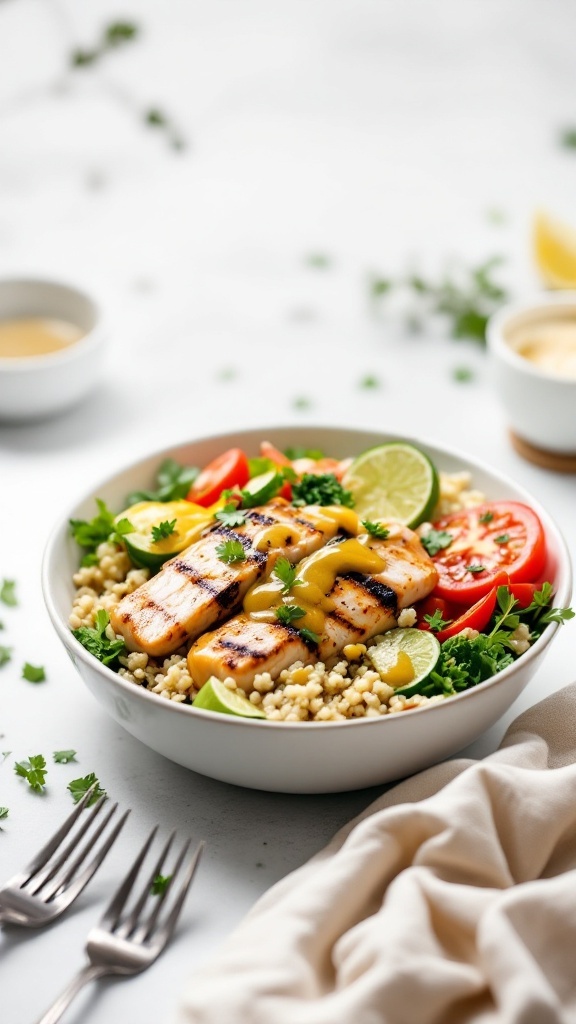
393	481
214	696
404	658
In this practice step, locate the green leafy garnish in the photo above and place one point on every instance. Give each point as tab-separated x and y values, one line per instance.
78	787
462	374
486	517
3	813
436	622
97	642
231	515
568	138
8	593
369	382
286	573
173	483
163	530
318	261
502	539
474	569
376	529
436	540
159	884
309	636
231	551
90	534
301	402
287	613
33	673
5	655
34	771
321	489
64	756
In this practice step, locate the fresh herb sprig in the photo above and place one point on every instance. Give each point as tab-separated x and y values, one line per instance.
34	771
8	593
286	573
97	642
321	489
163	530
231	515
78	787
231	552
376	529
173	481
436	540
89	534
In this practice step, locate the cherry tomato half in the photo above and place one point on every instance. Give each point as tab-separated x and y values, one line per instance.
429	606
226	471
499	535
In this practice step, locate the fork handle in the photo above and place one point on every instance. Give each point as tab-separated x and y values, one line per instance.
88	973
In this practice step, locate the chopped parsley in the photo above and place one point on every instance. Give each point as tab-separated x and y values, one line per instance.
173	482
436	622
5	655
64	756
504	538
376	529
96	641
285	572
369	382
436	540
8	593
164	530
33	673
34	771
90	534
309	636
231	551
287	613
4	812
160	884
78	787
462	374
486	517
231	515
474	569
320	489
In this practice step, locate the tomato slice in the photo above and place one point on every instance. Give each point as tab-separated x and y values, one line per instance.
499	535
226	471
524	592
428	606
479	615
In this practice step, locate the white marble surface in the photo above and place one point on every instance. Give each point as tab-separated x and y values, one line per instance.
380	133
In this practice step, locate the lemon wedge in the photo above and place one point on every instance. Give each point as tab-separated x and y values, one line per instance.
555	251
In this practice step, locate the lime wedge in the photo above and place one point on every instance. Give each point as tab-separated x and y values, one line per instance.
393	481
405	653
214	696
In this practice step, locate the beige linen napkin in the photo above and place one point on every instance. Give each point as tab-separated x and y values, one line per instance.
451	899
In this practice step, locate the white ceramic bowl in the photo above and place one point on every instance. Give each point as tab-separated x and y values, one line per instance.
38	386
540	406
307	757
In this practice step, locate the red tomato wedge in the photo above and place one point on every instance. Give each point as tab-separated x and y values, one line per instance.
479	615
486	539
227	471
269	451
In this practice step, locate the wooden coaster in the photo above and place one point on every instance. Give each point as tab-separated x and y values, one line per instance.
557	461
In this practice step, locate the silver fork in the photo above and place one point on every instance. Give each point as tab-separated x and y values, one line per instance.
128	940
58	873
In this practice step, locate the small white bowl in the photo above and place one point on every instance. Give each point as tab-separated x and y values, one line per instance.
32	387
540	406
295	757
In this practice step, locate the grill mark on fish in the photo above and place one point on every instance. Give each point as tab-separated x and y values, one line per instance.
244	650
383	594
228	597
260	518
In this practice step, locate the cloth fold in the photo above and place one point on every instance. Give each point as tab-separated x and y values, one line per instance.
451	899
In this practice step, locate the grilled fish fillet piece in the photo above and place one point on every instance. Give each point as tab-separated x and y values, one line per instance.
363	606
195	590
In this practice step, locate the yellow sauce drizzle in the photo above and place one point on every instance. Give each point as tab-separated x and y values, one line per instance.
317	577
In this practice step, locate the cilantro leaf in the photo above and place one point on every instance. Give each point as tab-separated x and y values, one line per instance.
376	529
475	569
97	642
3	813
164	530
160	884
436	622
308	636
287	613
436	540
8	593
286	573
231	515
320	489
33	673
486	517
89	534
231	552
64	756
5	655
78	787
504	538
34	771
173	482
